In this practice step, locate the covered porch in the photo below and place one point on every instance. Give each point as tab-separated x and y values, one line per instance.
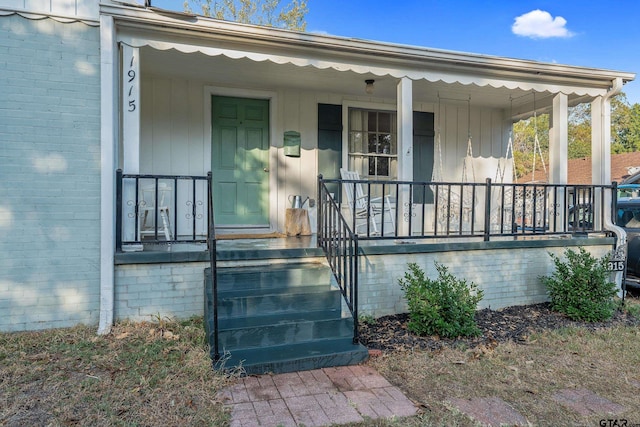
317	104
214	126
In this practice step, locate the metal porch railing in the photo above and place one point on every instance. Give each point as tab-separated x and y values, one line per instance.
161	209
427	210
340	244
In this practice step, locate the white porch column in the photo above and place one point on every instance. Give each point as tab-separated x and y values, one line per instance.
558	140
108	120
600	150
405	150
600	142
558	155
130	107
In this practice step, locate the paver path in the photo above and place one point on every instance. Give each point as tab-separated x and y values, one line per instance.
315	398
350	394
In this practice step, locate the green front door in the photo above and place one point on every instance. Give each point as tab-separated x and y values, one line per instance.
240	161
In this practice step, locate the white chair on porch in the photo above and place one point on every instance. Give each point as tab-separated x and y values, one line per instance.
358	203
147	211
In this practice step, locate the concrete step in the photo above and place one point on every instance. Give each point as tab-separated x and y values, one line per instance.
314	299
294	357
273	276
277	318
280	289
268	335
280	318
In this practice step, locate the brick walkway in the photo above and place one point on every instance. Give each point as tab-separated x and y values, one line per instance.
351	394
320	397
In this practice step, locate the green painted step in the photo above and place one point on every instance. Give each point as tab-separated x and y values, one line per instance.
273	276
295	357
281	289
278	303
280	318
277	318
285	333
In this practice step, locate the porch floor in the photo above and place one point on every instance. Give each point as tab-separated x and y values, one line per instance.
226	245
229	249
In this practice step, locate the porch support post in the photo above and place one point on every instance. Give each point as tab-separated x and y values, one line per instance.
108	120
405	152
600	151
558	156
558	140
130	107
600	141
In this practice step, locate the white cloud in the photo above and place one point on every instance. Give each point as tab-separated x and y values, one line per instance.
540	24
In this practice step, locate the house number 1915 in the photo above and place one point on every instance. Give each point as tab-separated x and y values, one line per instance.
131	81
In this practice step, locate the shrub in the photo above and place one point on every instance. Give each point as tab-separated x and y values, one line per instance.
445	306
579	287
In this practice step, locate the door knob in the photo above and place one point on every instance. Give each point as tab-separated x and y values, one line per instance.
266	169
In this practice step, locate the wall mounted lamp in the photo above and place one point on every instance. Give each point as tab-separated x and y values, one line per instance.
369	86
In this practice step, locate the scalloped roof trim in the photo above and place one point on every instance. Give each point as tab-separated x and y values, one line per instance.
40	16
430	76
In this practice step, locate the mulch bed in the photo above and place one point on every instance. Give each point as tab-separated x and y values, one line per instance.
497	326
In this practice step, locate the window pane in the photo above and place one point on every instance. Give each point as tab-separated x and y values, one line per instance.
383	166
356	143
385	144
393	144
356	120
372	121
384	122
373	143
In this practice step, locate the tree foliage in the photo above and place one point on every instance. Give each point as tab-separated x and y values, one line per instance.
261	12
625	133
524	136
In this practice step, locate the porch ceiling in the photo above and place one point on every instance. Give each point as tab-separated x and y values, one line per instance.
266	75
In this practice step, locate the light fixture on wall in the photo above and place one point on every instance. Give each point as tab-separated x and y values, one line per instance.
369	86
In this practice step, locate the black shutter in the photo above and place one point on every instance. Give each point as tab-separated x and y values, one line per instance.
330	144
423	155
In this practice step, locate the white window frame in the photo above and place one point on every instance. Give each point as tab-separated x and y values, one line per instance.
373	106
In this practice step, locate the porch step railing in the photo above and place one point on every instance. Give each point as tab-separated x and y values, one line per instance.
213	268
379	209
340	245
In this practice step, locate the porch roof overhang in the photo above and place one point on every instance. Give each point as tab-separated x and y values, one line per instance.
340	65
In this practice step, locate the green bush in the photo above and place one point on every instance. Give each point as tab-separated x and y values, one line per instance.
445	306
580	288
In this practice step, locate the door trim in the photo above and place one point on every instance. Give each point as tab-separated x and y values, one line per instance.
272	97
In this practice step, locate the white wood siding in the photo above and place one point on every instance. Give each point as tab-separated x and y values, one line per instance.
489	137
173	136
86	9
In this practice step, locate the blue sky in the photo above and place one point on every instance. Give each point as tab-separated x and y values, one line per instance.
598	34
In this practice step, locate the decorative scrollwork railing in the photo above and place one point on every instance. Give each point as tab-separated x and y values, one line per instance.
161	209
